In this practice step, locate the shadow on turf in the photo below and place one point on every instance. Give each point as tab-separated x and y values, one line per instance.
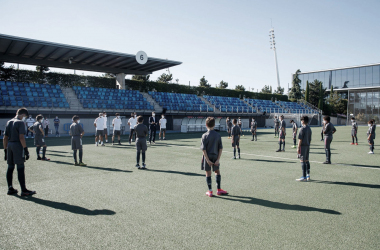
175	172
60	155
267	160
276	205
58	151
67	207
98	168
355	184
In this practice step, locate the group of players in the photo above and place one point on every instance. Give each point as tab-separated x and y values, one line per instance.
16	151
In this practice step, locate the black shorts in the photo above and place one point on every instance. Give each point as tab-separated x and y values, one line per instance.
305	150
141	144
235	141
294	135
39	140
163	130
76	143
370	141
206	167
99	132
353	133
253	131
282	135
16	153
116	133
105	131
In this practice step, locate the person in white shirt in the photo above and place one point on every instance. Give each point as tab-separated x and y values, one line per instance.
46	126
132	122
29	123
162	122
105	126
116	123
99	125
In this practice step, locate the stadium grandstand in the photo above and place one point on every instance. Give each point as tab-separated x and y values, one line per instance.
185	112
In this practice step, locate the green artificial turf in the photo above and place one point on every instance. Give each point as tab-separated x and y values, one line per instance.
109	204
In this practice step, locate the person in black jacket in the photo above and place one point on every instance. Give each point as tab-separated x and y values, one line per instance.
152	124
328	132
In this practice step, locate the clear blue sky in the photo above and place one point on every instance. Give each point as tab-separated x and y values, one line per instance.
218	39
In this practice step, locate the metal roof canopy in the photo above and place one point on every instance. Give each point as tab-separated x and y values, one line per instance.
34	52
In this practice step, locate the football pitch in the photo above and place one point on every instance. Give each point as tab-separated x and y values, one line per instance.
109	204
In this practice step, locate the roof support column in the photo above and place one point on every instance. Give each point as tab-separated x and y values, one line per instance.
120	81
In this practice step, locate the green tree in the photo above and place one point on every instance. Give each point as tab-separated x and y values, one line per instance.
336	103
266	90
222	85
307	91
165	78
317	93
143	78
7	73
279	91
239	88
321	95
42	70
204	83
295	92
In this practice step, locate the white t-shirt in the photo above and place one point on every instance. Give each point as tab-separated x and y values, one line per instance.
99	123
105	121
116	123
30	122
163	123
132	121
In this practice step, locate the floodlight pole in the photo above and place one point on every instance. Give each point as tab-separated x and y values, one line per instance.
272	42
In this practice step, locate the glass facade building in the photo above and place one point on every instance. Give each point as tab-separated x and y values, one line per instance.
345	78
359	84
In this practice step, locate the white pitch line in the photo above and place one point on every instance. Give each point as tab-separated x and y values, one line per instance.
282	158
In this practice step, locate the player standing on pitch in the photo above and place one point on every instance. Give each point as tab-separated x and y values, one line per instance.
16	152
132	123
282	134
371	135
295	128
235	135
276	126
39	140
116	123
354	131
77	132
141	146
304	139
212	148
99	125
254	129
328	132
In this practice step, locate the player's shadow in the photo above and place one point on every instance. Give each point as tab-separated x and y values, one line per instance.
67	207
358	165
60	155
58	151
107	169
354	184
61	162
276	205
91	167
175	172
273	161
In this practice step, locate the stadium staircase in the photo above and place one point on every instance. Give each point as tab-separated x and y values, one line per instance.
250	105
157	107
209	104
72	99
